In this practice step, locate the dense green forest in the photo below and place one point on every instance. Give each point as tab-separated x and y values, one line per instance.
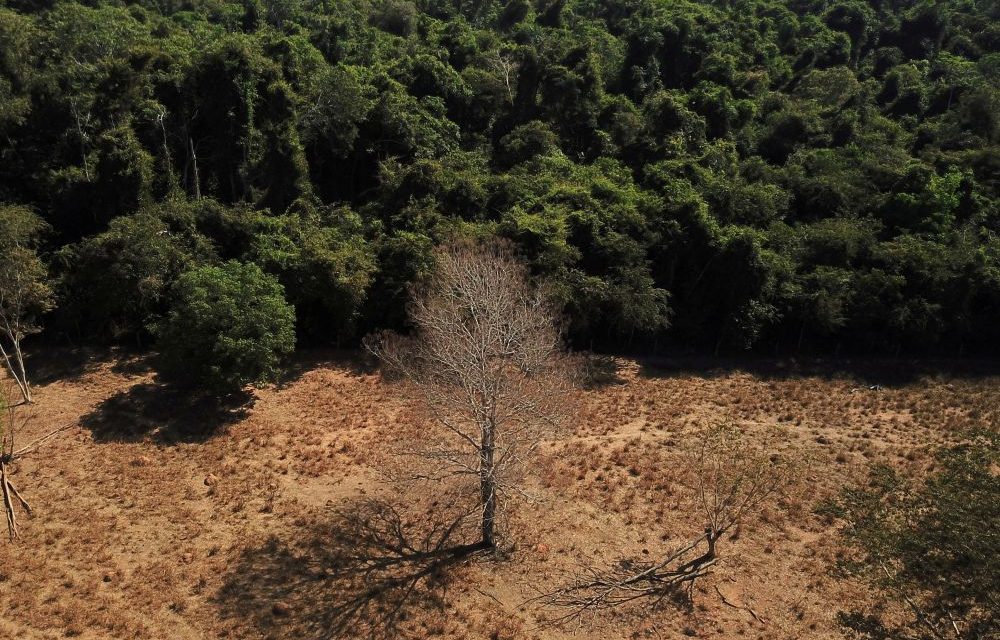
718	174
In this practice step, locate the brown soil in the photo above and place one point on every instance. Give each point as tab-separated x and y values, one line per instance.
160	518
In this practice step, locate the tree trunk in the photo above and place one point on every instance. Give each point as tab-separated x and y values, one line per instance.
166	150
487	488
196	179
23	379
83	139
15	362
713	537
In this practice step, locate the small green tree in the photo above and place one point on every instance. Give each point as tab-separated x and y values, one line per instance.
932	547
24	291
228	326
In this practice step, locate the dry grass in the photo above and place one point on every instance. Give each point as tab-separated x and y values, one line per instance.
146	512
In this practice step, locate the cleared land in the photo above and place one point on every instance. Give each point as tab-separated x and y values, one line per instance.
156	518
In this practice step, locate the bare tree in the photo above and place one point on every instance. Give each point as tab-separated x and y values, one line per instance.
734	478
10	425
24	293
486	356
504	64
14	417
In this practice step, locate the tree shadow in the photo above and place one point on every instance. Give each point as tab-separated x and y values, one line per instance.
53	364
353	361
366	573
164	413
600	371
869	372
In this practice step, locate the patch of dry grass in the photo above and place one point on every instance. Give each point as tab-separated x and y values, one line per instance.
140	525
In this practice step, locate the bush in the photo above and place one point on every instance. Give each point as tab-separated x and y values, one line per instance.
932	547
114	285
228	326
322	259
397	17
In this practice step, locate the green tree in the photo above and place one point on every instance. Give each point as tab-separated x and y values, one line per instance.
639	151
228	326
324	262
24	290
113	285
932	547
586	228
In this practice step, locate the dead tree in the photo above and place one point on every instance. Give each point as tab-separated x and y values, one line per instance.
12	421
506	66
734	478
14	416
486	356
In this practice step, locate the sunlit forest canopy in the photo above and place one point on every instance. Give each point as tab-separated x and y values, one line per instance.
724	175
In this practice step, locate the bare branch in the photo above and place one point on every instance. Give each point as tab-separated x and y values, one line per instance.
487	360
735	477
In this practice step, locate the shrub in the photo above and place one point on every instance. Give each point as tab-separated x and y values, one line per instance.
931	547
228	326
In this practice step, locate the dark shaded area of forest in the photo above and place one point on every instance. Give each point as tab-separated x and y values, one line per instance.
722	175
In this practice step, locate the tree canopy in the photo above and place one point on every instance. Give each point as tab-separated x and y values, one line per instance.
930	547
725	174
228	326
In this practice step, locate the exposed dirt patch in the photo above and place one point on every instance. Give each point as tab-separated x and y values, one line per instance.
158	518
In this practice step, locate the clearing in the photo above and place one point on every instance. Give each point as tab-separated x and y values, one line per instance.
158	519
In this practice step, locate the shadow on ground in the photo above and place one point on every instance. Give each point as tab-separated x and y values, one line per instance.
354	361
600	371
52	364
162	412
366	572
880	372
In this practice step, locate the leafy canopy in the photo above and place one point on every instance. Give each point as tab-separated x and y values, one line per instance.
228	326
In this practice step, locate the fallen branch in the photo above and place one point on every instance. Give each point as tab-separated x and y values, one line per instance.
726	601
35	443
735	476
12	498
17	494
8	503
594	590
